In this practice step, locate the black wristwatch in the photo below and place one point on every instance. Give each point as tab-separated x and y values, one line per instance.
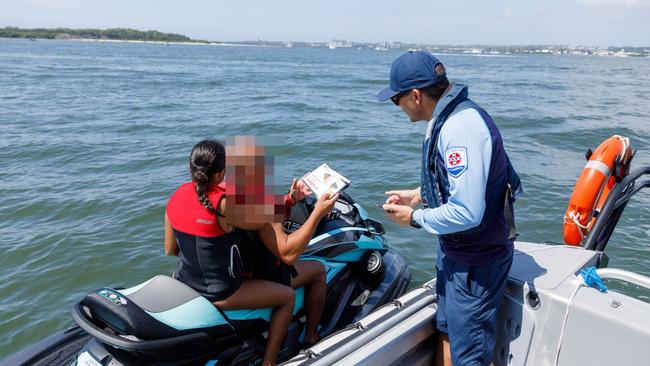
414	223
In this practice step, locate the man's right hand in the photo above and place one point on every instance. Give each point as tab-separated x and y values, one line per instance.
408	197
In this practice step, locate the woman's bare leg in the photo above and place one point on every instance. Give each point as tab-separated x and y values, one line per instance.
312	275
255	294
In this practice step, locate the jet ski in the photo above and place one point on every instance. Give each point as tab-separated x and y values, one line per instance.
162	321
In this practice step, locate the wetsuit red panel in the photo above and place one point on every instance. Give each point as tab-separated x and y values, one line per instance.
186	213
209	260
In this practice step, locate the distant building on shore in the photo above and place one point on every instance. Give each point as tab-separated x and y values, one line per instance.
339	43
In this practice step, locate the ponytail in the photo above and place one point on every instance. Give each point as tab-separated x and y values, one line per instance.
207	159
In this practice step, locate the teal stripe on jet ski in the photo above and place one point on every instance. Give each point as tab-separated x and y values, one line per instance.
130	290
334	232
211	363
248	314
197	313
370	243
265	313
350	256
364	243
332	269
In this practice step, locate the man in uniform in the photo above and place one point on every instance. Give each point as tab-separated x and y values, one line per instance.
466	188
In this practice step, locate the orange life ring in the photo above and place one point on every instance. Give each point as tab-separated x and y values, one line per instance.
607	165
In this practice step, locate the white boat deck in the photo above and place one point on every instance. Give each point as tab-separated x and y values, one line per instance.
547	317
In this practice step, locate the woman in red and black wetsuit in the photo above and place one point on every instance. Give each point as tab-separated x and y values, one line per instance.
208	245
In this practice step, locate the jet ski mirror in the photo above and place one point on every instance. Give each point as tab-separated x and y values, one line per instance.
375	227
334	214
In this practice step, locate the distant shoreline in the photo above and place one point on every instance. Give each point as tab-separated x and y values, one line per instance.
459	51
125	35
154	42
97	40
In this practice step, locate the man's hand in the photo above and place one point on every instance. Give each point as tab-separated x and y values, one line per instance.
408	197
298	190
399	214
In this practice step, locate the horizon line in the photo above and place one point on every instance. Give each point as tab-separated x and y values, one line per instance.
407	43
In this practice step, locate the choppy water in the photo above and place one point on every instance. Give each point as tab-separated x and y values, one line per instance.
95	136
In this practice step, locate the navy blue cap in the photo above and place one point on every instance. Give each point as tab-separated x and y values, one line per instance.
412	70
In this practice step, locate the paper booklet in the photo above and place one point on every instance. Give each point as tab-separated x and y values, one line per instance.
325	179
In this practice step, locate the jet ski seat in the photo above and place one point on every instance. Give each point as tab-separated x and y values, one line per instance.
161	307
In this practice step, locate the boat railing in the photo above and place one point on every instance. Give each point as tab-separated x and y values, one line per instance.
613	208
342	343
627	276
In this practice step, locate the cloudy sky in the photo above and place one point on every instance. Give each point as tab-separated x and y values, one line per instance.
496	22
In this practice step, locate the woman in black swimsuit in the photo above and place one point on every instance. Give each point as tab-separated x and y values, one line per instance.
206	233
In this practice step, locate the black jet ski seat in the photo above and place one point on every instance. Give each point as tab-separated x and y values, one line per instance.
161	313
161	307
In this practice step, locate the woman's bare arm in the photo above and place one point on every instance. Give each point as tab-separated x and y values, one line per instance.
171	246
288	248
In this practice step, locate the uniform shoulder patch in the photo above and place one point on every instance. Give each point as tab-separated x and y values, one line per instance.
456	160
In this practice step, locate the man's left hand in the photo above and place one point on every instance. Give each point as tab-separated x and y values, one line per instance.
399	214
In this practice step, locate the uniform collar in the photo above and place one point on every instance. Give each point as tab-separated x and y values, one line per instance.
454	93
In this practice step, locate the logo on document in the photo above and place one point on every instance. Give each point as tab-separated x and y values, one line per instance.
456	161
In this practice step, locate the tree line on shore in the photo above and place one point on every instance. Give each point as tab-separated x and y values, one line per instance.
112	34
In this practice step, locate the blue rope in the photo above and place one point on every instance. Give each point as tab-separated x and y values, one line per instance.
592	279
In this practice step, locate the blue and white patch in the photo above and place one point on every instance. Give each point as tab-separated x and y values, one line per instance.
456	160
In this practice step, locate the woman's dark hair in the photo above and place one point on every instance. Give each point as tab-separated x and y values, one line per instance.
207	159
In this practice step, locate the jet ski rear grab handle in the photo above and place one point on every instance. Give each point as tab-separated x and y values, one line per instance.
134	345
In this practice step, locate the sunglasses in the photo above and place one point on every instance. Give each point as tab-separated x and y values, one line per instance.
397	97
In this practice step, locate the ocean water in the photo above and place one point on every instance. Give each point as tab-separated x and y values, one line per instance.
94	137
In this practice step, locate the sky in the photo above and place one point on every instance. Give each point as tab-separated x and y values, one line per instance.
461	22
